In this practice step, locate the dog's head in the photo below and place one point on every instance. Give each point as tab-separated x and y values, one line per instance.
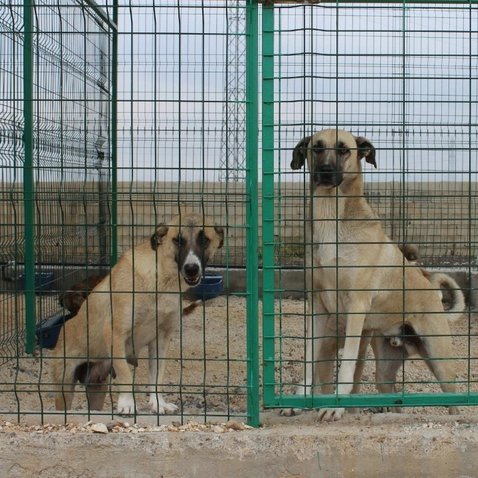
333	156
192	240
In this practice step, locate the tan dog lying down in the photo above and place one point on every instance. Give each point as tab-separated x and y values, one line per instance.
357	277
137	304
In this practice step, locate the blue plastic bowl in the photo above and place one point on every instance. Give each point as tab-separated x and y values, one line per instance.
208	288
43	281
48	330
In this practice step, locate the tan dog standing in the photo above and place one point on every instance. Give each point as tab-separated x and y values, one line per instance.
138	304
357	278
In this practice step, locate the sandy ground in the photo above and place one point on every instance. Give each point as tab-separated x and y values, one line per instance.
206	370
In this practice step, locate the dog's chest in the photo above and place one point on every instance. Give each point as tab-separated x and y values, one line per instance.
331	240
328	242
153	315
336	236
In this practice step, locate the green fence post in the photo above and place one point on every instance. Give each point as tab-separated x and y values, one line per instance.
268	201
28	177
252	212
114	138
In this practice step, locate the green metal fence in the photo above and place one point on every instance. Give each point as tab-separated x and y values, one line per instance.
115	116
57	157
405	77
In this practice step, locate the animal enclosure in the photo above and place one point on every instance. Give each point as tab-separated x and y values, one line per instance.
404	77
115	117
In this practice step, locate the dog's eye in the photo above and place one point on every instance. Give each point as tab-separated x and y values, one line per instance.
342	149
179	240
318	147
202	240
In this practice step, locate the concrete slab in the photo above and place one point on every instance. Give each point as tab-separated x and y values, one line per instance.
373	446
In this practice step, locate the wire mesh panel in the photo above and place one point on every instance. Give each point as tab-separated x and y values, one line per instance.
56	135
403	77
11	151
182	104
141	119
181	147
68	159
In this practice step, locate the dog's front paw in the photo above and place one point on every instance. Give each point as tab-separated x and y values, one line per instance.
159	406
126	404
301	389
290	412
331	414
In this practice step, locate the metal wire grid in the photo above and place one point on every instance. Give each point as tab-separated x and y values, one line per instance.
403	76
55	111
11	124
69	160
180	109
181	106
177	44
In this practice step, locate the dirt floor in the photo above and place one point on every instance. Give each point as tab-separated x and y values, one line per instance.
206	370
206	378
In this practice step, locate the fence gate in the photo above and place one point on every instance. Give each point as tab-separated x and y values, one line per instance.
405	77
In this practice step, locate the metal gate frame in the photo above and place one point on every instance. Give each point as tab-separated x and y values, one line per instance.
271	399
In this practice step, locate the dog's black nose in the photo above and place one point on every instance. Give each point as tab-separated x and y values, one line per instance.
326	169
326	175
191	270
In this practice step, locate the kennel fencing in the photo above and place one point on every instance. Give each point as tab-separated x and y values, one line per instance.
116	116
56	157
405	77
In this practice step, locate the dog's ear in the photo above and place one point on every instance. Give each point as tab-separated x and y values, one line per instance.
365	149
220	232
300	153
410	251
157	237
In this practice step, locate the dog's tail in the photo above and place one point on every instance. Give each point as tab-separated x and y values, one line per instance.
452	296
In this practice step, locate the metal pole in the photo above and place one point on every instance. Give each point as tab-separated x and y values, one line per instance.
252	212
28	177
268	202
114	140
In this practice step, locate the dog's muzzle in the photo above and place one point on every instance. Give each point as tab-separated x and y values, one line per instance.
327	175
192	270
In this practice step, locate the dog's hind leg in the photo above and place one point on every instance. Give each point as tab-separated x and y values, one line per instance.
437	352
96	394
95	380
431	337
388	360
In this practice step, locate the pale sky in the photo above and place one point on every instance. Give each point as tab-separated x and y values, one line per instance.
430	92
